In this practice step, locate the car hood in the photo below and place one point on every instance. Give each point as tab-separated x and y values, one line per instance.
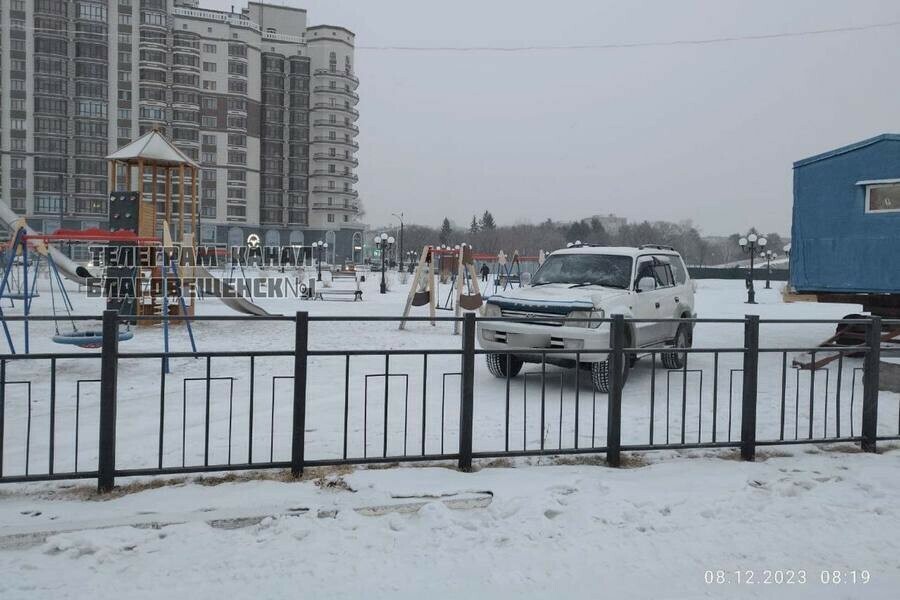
556	298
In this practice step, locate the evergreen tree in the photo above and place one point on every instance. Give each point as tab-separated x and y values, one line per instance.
446	232
598	233
473	227
487	221
578	232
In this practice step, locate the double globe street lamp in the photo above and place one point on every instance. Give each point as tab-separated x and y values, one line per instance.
320	247
384	243
754	245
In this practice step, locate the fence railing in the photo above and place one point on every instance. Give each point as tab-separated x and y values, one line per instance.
113	414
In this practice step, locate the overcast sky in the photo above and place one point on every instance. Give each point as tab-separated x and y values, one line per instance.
703	132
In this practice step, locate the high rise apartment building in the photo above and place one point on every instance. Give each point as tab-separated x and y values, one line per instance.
264	103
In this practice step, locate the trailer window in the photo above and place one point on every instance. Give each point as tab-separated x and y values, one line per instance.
883	198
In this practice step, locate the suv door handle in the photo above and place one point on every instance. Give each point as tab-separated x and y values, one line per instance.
657	305
677	299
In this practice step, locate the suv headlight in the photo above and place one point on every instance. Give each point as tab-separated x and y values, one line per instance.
491	310
586	314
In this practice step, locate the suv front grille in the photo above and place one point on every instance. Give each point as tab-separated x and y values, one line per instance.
535	317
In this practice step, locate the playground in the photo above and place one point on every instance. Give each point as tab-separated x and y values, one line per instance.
234	410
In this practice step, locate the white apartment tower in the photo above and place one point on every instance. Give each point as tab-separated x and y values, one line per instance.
265	104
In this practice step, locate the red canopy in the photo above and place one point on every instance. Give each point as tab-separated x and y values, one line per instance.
91	235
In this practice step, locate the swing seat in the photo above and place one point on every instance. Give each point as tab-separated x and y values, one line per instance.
88	338
471	301
421	298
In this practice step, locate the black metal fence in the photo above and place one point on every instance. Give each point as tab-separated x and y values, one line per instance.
122	414
737	272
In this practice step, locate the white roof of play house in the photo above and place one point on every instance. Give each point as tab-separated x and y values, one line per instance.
152	147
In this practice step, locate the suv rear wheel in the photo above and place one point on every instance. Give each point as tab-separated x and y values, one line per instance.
676	360
497	364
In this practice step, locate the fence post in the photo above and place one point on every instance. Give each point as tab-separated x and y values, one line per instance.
614	400
751	374
870	385
467	393
301	354
109	365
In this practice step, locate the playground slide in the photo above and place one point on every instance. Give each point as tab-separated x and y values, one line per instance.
66	266
241	305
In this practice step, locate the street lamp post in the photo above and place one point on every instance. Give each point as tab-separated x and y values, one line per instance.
400	217
787	252
754	245
320	247
384	243
769	256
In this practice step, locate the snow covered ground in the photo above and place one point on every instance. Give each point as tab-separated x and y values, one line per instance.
525	532
537	529
183	408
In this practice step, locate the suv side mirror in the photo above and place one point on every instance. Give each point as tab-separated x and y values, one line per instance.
646	284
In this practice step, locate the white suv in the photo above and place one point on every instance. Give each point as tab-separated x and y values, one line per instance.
650	282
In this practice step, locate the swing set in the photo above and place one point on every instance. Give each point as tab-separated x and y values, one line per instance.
84	338
424	287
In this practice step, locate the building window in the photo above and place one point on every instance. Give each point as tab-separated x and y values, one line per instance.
153	18
91	11
208	157
330	218
883	197
209	140
209	85
209	67
209	122
211	48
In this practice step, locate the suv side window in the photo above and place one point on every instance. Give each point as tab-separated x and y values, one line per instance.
662	269
645	269
678	269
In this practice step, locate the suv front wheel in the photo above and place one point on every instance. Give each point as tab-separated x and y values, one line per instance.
600	374
497	364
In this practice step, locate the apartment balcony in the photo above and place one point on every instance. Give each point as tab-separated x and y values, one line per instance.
336	192
233	19
324	89
338	74
321	139
348	207
341	109
325	173
327	123
284	37
324	156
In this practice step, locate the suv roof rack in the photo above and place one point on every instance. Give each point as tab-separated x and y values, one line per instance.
657	246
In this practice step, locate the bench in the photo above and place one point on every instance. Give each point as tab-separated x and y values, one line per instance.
320	294
343	276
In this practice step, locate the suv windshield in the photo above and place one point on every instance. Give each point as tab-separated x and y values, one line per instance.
585	269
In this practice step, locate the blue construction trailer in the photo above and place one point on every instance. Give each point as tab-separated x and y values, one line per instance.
845	238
